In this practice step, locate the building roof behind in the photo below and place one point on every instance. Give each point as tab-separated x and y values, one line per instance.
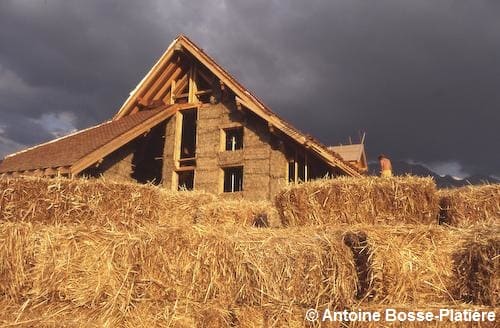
67	150
350	153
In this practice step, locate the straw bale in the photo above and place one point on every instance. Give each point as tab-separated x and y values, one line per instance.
469	205
15	260
477	266
179	315
53	314
407	264
347	200
100	202
302	267
250	266
95	267
91	268
240	212
184	315
272	316
230	158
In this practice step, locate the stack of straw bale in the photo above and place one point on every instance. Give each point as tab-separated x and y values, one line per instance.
477	266
469	205
122	205
111	270
253	267
359	200
99	202
419	265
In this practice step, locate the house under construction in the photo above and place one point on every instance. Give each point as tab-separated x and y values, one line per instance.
190	125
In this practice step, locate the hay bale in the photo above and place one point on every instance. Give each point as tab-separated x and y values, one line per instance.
275	316
113	270
420	265
407	264
87	267
240	212
371	200
477	267
53	314
16	260
250	266
469	205
99	202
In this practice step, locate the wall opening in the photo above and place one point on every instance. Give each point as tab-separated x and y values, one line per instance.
188	134
233	138
185	180
147	162
298	169
233	179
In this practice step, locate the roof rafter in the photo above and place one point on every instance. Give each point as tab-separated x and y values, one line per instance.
248	100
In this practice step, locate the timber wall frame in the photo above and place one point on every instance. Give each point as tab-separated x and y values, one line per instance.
243	99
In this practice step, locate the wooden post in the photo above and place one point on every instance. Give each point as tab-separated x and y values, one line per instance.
192	84
306	177
172	95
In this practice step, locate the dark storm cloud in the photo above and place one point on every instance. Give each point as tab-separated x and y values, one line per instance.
422	78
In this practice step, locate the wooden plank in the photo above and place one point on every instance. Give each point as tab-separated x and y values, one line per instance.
164	89
181	84
146	82
185	168
203	92
162	80
172	95
192	84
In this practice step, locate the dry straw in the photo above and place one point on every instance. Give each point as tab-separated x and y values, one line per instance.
469	205
240	212
251	266
100	202
477	266
112	270
214	315
16	260
419	264
359	200
122	205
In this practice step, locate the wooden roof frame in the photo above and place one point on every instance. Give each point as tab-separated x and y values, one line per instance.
121	140
244	97
99	153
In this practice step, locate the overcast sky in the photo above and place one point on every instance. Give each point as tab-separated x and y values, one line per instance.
420	77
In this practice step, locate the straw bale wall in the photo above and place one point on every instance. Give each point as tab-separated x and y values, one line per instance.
259	159
95	202
116	166
345	200
417	264
110	270
470	205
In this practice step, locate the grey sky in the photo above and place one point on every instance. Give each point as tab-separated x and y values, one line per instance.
420	77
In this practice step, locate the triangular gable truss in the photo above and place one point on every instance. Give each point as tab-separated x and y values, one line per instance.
169	81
